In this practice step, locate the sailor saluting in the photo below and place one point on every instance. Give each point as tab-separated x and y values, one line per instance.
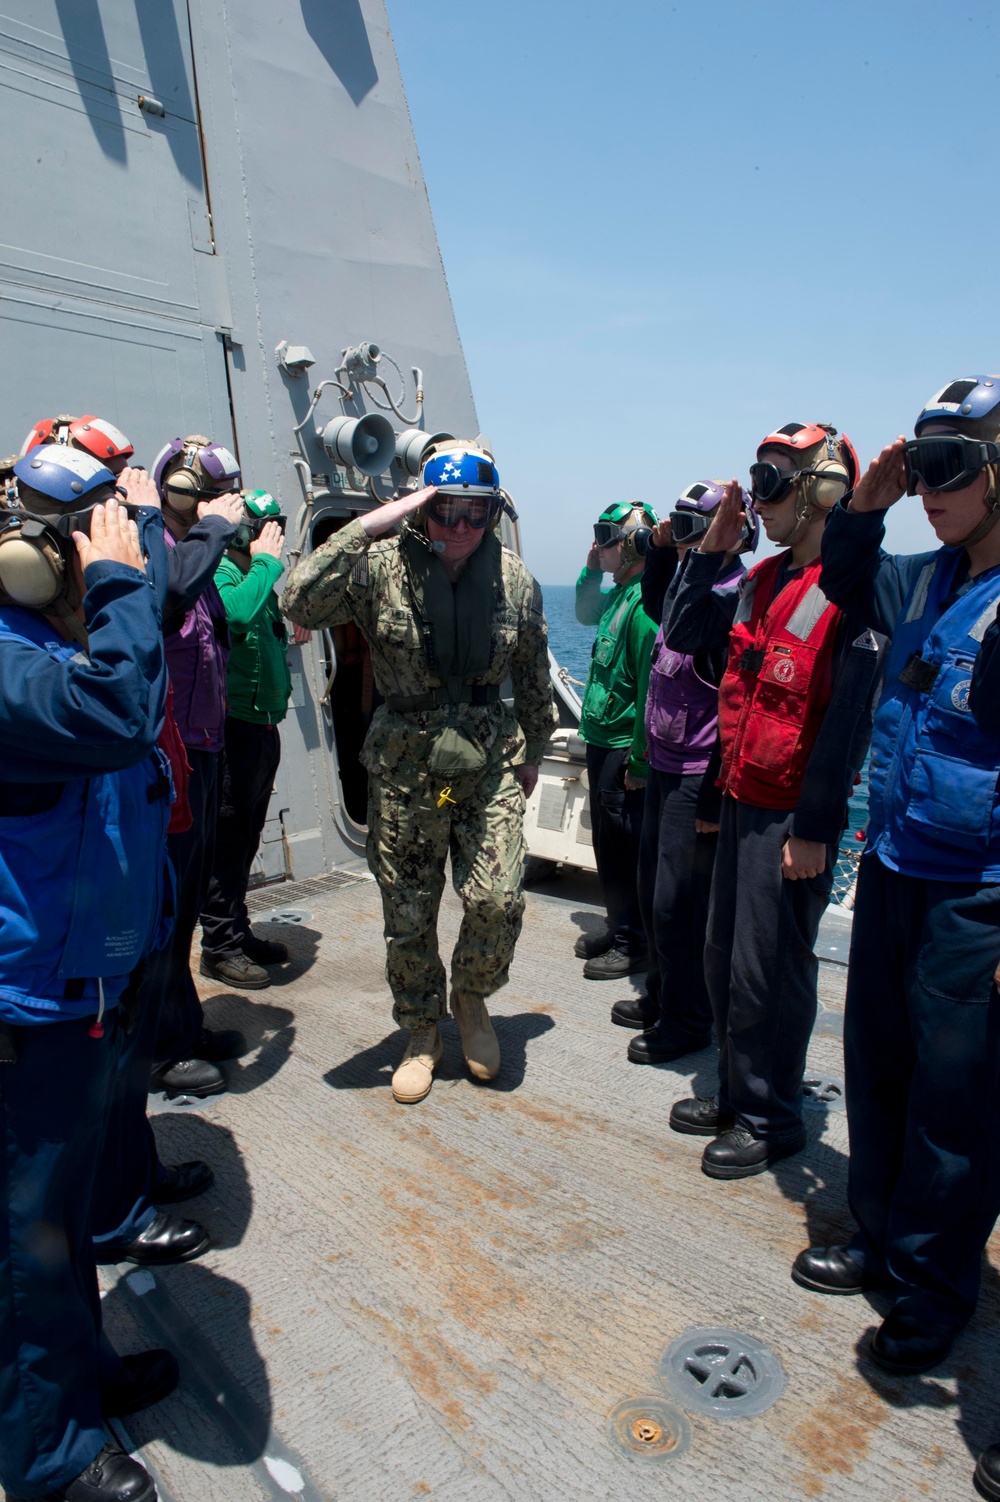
449	614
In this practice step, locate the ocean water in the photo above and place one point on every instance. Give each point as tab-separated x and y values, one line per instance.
571	644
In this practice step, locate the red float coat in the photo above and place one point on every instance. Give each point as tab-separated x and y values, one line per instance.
777	684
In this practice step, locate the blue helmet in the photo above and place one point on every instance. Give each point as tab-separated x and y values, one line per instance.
462	470
54	480
971	405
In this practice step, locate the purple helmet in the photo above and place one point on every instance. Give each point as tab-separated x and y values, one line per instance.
196	465
696	506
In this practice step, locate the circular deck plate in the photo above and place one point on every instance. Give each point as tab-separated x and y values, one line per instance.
722	1373
649	1428
823	1092
283	915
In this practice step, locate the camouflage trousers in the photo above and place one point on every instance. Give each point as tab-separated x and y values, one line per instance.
409	841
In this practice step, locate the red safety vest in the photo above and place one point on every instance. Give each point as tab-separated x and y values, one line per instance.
777	685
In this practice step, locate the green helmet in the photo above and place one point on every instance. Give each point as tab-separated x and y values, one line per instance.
259	507
630	523
261	503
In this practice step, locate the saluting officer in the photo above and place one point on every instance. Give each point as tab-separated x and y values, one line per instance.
449	614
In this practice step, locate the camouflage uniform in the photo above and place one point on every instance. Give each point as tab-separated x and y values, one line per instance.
352	577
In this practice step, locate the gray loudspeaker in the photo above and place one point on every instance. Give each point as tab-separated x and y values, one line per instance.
412	445
368	443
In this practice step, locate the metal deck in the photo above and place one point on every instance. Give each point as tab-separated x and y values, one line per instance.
447	1300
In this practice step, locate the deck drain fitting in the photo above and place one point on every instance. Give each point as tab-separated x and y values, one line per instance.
823	1092
648	1427
722	1373
284	915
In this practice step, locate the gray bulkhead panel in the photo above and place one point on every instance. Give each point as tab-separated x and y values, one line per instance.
131	287
321	213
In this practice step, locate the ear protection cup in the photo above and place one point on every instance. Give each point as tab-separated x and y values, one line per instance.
827	487
32	569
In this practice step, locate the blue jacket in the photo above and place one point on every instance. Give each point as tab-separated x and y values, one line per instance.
84	799
934	811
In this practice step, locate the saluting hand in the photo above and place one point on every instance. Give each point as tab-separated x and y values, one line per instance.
662	534
139	488
883	482
271	540
384	518
114	538
229	506
726	531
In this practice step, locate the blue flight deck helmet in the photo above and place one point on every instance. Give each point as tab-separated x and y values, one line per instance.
966	442
467	484
50	493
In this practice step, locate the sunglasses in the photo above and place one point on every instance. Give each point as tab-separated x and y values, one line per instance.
448	510
946	461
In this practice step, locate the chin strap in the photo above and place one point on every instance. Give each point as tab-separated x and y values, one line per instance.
989	521
60	610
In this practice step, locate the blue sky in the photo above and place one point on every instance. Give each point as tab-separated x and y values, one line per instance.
669	229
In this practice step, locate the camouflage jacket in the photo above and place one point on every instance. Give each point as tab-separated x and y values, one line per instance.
353	577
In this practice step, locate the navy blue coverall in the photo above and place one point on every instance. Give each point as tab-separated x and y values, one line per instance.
922	1025
98	712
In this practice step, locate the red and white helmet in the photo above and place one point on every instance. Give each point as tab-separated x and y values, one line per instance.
94	435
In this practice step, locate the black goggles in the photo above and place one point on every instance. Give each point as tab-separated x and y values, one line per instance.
686	525
769	483
250	528
606	534
946	461
448	510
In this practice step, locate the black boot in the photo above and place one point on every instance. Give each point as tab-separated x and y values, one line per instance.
264	951
634	1011
700	1117
112	1476
829	1269
189	1077
738	1154
236	970
662	1043
615	964
143	1380
167	1239
909	1346
987	1476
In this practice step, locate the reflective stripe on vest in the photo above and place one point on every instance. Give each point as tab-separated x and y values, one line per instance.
933	805
777	684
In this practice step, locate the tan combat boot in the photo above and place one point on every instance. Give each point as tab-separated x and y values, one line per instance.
415	1075
479	1041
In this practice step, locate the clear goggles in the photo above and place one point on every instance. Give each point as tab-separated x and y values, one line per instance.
946	461
448	510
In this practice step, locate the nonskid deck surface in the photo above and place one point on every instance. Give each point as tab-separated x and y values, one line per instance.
447	1300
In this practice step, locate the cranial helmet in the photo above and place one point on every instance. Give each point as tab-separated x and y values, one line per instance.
630	523
49	494
462	469
94	435
194	468
970	408
260	507
826	467
696	506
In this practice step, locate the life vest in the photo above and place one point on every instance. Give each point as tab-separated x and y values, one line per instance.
933	806
608	710
83	882
777	684
682	707
196	659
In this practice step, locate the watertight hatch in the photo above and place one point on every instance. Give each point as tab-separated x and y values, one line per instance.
722	1373
650	1428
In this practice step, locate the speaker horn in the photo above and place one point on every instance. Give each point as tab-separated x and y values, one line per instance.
412	445
368	443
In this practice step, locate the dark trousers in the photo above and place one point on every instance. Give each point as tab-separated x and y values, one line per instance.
616	821
249	764
922	1054
180	1019
760	968
675	878
51	1352
129	1166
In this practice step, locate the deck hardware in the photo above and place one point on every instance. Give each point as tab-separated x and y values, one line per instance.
823	1092
650	1428
722	1373
150	105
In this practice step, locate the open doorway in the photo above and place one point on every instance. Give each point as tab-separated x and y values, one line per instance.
352	697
